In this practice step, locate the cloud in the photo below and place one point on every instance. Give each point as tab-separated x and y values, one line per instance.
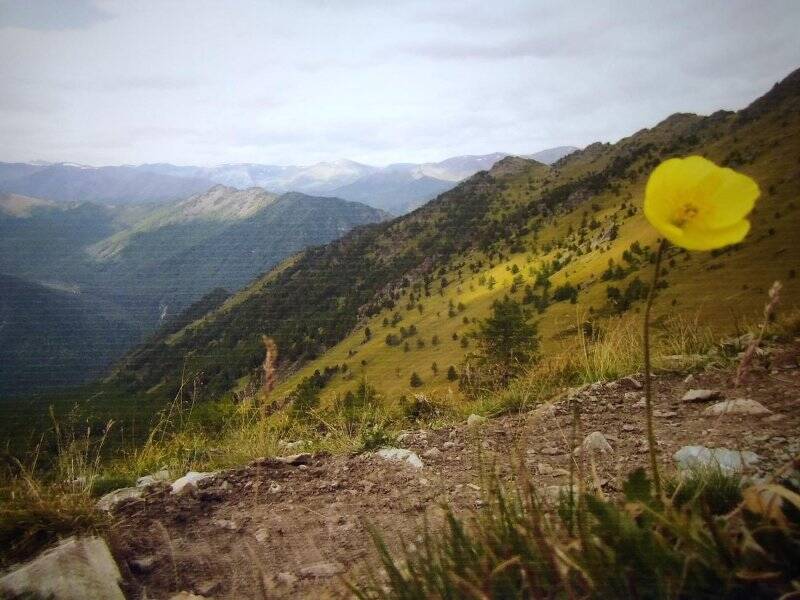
199	81
50	15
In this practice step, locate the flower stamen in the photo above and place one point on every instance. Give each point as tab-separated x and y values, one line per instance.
685	213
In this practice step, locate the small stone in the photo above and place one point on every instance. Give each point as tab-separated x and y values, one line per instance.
689	379
739	406
640	404
274	488
690	457
472	486
701	395
628	427
157	477
551	451
448	444
143	565
596	442
475	420
295	459
543	411
207	588
261	536
544	469
630	383
225	524
432	453
321	569
286	579
401	454
189	481
665	414
775	418
184	595
109	501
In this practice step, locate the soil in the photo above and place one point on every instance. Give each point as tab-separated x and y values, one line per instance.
277	530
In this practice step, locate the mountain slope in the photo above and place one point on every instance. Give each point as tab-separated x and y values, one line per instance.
115	185
147	272
51	338
459	253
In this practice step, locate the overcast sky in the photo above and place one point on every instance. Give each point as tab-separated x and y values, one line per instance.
295	82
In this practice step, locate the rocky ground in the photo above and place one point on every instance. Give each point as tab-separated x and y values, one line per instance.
296	528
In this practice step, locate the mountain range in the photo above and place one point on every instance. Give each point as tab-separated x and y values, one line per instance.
568	241
396	188
90	269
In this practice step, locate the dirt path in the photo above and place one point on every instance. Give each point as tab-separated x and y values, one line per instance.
276	530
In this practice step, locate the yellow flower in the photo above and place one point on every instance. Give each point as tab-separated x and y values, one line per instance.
697	205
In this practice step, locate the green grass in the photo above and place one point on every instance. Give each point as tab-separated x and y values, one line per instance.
640	546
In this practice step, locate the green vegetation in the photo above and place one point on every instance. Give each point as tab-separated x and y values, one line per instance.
643	547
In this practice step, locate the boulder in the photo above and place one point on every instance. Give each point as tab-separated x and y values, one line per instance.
690	457
189	481
75	569
401	454
739	406
110	500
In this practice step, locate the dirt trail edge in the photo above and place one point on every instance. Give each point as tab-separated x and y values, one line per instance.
278	530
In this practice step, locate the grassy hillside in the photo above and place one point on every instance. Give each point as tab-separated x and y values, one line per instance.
577	224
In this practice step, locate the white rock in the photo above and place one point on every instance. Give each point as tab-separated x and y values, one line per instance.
285	578
474	420
690	457
701	395
543	411
401	454
76	569
295	459
261	536
740	406
225	524
189	481
157	477
111	499
596	441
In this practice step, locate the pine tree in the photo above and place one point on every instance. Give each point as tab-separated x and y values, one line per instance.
452	375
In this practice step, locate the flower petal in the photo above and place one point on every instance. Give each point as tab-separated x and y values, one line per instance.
693	238
733	199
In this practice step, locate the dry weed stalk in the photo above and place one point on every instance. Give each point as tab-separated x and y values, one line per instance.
769	311
270	360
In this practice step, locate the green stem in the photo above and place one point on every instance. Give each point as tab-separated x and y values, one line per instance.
648	387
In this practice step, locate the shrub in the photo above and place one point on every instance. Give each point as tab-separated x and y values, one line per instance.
416	380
